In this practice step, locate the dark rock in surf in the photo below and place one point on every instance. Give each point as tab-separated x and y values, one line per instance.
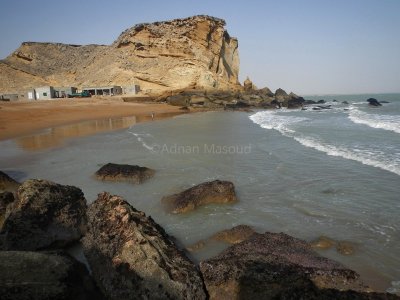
44	215
295	101
309	102
43	276
276	103
373	102
345	248
132	257
321	101
234	235
129	173
323	242
216	191
278	266
345	102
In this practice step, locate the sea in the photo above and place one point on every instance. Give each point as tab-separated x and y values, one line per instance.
308	173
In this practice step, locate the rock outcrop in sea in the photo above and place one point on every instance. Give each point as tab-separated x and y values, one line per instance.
129	173
216	191
373	102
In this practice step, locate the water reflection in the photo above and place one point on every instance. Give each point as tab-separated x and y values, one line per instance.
56	136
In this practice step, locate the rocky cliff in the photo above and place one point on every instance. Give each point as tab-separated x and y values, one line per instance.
196	52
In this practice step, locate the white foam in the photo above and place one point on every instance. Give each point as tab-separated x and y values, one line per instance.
271	120
386	122
367	157
139	137
283	124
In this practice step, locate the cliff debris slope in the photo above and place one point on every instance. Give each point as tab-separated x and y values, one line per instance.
195	52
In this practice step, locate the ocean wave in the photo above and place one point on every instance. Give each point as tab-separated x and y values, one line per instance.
367	157
375	158
271	120
386	122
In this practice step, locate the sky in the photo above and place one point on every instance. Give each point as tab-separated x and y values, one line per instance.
305	46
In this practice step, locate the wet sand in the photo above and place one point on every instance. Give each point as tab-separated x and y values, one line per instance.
22	118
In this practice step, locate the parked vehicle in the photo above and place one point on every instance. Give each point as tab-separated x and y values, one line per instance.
84	94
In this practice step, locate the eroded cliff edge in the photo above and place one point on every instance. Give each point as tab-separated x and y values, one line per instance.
195	52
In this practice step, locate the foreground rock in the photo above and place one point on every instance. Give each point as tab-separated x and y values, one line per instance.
130	173
132	257
373	102
277	266
33	275
7	184
44	215
216	191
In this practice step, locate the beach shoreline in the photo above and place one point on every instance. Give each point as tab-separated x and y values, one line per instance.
23	118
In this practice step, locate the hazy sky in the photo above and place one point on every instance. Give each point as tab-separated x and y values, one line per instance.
305	46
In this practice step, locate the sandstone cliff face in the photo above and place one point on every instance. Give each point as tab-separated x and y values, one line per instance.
182	53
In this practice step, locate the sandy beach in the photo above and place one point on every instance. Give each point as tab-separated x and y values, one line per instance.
22	118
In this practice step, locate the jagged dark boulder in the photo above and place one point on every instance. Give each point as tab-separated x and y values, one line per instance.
44	215
132	257
130	173
265	92
216	191
281	95
278	266
276	104
294	101
44	276
322	101
310	102
373	102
